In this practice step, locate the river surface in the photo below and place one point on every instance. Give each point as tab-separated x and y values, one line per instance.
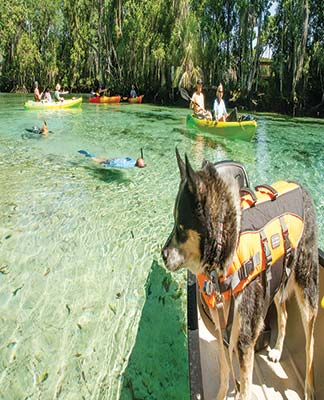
87	310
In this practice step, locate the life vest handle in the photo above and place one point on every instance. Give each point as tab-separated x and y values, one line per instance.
246	190
272	190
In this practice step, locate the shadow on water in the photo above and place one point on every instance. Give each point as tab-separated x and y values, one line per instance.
153	116
158	365
108	175
33	136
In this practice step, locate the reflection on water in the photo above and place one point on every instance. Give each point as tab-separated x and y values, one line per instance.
86	305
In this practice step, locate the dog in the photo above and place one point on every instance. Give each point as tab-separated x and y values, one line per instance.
206	201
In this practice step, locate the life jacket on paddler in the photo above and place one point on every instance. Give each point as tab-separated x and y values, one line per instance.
272	224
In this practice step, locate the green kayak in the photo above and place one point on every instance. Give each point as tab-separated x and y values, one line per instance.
243	130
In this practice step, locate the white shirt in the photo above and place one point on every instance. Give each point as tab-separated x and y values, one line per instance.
199	99
219	109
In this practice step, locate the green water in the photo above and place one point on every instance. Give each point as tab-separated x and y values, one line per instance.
86	308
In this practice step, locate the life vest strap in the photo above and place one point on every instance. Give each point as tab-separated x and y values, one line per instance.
241	274
268	259
248	266
287	245
266	248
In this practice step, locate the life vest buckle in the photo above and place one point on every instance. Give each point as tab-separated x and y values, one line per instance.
211	286
208	287
266	248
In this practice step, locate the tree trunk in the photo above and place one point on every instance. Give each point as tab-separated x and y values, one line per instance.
299	52
257	53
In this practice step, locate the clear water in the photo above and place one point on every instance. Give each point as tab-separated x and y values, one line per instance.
86	308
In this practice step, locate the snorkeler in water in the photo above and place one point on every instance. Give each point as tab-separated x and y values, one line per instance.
123	162
40	131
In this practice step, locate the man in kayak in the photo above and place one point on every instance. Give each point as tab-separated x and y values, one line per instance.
133	92
37	95
219	109
198	103
124	162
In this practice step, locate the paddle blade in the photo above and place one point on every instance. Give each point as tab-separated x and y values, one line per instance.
184	94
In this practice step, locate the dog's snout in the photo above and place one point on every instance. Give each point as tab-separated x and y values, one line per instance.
165	253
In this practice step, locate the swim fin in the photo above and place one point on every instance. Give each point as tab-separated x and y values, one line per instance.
86	153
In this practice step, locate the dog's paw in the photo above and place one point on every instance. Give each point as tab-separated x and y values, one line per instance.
274	355
221	397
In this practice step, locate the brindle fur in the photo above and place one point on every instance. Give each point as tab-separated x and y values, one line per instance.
206	198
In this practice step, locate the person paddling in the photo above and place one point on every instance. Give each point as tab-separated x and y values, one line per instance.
58	92
198	102
37	95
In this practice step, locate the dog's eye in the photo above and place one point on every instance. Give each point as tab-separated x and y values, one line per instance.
181	232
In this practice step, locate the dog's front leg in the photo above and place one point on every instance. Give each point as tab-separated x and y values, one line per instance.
224	371
246	361
275	353
222	361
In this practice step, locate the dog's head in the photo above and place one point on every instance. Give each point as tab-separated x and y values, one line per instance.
204	203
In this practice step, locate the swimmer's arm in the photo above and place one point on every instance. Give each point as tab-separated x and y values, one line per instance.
100	160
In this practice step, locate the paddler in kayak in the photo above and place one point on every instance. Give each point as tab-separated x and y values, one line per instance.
198	103
37	94
219	109
58	92
133	93
123	162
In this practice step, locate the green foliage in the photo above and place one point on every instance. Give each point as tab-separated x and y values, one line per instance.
124	42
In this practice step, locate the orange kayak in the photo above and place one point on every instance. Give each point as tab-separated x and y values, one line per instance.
105	99
137	99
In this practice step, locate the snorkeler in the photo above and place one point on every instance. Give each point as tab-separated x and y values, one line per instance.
124	162
40	131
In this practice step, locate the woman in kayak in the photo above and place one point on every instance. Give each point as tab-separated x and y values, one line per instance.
47	96
123	162
219	109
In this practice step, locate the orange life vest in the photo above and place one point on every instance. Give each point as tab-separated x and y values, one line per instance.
272	223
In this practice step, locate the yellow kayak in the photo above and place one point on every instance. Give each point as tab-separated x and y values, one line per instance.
40	105
244	130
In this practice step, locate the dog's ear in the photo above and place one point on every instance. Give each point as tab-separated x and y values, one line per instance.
192	177
181	165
